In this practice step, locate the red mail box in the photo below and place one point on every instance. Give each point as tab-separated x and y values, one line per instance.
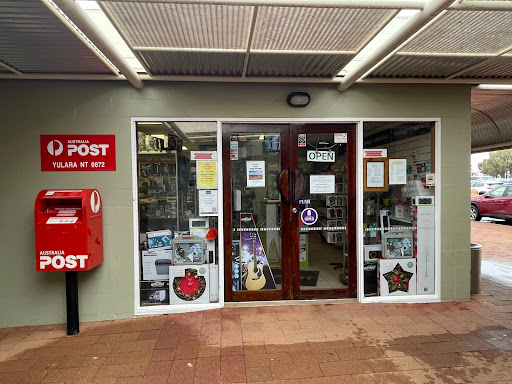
68	229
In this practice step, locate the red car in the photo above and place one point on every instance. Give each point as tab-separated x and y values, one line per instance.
496	203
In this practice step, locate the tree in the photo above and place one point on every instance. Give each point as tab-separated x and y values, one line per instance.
499	164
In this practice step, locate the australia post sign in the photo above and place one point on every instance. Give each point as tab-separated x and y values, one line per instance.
78	152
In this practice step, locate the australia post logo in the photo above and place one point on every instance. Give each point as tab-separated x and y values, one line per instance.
57	259
78	153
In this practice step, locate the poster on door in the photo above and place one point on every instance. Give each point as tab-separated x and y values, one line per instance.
255	174
251	270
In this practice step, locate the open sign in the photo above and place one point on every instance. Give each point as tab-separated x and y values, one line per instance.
321	156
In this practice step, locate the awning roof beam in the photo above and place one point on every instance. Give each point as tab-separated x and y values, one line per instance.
77	15
414	24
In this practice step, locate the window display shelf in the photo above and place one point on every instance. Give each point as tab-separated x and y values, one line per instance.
154	200
402	220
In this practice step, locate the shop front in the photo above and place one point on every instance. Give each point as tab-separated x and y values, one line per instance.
259	210
223	193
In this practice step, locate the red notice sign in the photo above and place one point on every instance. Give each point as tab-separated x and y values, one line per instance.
78	152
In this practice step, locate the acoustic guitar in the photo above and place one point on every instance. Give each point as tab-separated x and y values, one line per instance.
255	278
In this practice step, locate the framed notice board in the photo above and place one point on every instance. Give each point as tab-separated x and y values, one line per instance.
376	174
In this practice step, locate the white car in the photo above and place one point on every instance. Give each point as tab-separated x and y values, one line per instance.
483	187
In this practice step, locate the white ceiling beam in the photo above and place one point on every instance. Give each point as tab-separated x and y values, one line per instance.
77	16
476	5
373	4
250	38
9	68
481	63
411	26
238	79
446	54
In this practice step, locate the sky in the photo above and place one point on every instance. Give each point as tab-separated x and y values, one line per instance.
478	158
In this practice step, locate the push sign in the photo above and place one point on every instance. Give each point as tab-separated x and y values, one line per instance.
309	216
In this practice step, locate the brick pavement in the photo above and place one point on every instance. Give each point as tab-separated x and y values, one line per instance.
328	343
352	343
496	240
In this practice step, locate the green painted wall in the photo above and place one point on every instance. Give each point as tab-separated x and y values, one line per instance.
31	108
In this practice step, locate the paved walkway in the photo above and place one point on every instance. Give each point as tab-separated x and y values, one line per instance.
349	343
330	343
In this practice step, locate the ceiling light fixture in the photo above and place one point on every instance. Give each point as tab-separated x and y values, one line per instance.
298	99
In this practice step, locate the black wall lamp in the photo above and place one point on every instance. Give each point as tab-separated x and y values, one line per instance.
298	99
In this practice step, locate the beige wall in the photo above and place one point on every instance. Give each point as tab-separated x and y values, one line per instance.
32	108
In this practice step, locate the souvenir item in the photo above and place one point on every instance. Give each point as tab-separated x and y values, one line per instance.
189	284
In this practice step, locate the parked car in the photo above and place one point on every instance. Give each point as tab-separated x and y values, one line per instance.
483	187
487	179
496	203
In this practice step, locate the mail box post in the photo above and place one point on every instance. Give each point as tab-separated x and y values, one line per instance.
69	238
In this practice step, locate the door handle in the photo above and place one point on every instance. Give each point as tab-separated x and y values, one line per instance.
298	185
283	185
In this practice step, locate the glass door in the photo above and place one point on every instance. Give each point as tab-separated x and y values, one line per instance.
255	213
289	221
324	197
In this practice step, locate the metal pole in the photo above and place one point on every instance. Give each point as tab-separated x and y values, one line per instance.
72	302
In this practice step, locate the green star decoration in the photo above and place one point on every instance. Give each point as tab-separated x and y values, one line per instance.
398	279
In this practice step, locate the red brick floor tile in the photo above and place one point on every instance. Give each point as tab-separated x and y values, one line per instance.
232	369
159	368
258	374
155	379
267	360
130	380
16	365
109	339
29	377
187	351
122	370
182	371
208	350
346	379
395	364
129	358
207	370
70	374
283	348
363	353
433	376
442	360
381	378
295	371
254	348
347	367
163	354
150	335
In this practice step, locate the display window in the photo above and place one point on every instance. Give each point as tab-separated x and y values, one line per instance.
399	209
178	204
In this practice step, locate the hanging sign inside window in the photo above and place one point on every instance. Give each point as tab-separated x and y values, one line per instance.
203	155
208	202
78	152
321	156
234	150
302	140
375	153
397	171
340	138
206	174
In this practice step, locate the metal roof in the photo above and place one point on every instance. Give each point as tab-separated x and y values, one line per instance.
33	40
464	41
